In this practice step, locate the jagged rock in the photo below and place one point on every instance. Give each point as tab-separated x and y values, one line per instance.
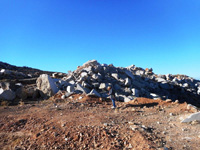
102	86
7	94
129	74
96	77
88	69
86	85
115	76
46	85
82	89
91	63
94	93
70	88
127	82
84	74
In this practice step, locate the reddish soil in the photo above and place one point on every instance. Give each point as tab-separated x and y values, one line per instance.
82	122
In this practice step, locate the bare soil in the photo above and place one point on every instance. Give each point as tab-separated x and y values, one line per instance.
81	122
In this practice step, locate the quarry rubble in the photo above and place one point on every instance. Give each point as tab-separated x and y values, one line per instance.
93	77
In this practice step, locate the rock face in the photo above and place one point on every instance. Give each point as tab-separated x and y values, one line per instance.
46	86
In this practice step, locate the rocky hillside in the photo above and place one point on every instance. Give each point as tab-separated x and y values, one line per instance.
8	71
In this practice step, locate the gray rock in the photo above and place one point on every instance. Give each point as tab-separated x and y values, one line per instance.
7	94
165	85
86	85
127	90
135	92
129	74
185	85
95	84
102	86
91	63
84	74
88	69
94	93
192	117
115	75
198	90
160	80
70	89
69	94
127	82
140	72
96	77
154	96
82	89
46	85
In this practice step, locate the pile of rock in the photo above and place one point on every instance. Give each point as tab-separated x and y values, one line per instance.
93	78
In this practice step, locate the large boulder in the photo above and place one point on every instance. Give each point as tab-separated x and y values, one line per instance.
46	85
82	89
94	93
7	94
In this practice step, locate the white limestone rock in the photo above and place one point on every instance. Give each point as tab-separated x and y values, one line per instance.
46	85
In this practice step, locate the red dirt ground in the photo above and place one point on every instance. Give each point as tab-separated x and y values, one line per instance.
81	122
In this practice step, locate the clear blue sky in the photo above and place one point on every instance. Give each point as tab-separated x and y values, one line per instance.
59	35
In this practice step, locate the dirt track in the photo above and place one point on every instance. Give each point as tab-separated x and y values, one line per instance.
90	123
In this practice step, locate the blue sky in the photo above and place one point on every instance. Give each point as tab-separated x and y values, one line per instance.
59	35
